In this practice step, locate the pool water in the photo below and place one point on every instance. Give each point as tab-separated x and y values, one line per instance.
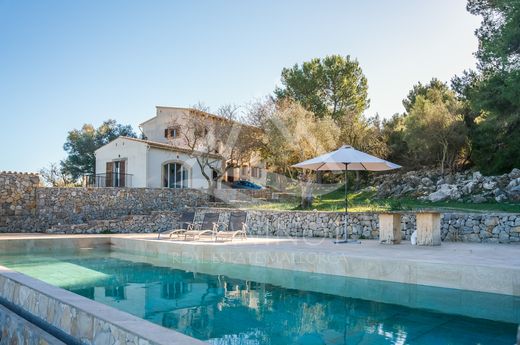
233	304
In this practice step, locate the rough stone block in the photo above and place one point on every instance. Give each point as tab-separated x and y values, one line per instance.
428	229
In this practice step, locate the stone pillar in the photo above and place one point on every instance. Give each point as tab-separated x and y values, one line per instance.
428	229
390	228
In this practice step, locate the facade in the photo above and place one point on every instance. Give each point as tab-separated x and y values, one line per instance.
165	158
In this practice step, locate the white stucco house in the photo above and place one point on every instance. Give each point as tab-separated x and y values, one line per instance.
164	158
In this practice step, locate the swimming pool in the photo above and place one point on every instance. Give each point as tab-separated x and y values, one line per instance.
234	304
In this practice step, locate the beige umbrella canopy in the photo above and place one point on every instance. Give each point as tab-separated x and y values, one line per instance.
346	158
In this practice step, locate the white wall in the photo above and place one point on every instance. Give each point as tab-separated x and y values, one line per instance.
132	151
157	158
154	128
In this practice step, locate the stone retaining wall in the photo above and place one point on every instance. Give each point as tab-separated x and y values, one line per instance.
17	330
465	227
499	228
25	207
56	206
17	196
83	320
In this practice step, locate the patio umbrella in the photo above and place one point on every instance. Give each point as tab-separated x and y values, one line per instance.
346	158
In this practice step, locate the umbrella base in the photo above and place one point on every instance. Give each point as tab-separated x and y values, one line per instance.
347	241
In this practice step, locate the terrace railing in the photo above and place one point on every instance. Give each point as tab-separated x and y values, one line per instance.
107	180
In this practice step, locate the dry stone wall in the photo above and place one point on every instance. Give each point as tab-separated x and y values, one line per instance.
17	195
464	227
26	207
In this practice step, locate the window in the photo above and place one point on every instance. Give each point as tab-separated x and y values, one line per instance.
171	132
175	175
244	170
256	172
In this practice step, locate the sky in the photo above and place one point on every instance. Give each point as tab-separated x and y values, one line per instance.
66	63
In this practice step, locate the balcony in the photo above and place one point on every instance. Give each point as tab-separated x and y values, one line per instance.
117	180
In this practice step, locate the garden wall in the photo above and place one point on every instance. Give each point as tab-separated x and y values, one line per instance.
24	206
499	228
465	227
17	196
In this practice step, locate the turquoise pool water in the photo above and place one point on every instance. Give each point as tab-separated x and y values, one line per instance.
233	304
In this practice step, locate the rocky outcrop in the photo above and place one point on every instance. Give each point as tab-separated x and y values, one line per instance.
468	186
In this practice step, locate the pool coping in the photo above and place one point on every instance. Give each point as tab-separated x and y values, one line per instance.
85	320
22	290
490	277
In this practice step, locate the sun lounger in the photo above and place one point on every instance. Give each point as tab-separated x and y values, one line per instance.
186	222
236	228
209	226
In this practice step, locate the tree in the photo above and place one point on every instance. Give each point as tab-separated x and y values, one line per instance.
333	86
495	122
218	143
422	90
393	133
54	176
434	128
81	144
492	94
292	134
498	35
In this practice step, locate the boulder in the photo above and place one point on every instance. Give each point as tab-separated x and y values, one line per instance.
445	192
515	182
469	187
478	199
477	176
514	174
489	185
425	181
501	198
514	193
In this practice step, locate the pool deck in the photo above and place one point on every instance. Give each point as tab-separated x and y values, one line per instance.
465	266
468	266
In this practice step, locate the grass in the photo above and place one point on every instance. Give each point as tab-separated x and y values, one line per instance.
366	202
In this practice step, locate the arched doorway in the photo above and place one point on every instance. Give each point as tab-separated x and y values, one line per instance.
175	175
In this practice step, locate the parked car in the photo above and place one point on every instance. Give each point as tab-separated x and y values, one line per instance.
241	184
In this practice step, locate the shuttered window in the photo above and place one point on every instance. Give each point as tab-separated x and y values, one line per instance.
108	174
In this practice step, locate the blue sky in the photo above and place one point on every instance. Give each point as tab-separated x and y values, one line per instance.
65	63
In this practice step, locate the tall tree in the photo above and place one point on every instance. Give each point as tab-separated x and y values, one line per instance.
498	35
334	86
394	136
434	129
292	134
81	144
493	94
420	89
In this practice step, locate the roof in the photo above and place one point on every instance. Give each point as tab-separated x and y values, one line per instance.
217	117
163	146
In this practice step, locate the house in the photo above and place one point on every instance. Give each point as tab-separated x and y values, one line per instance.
167	154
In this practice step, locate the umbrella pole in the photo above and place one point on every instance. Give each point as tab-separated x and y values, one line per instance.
346	201
346	240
